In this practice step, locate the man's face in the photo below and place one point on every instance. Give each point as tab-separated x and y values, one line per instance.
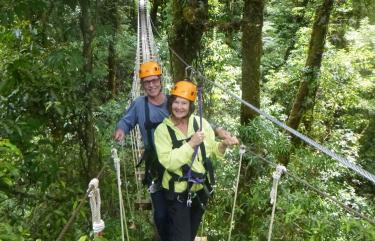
152	85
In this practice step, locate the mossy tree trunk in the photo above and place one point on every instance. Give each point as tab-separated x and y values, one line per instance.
113	20
251	55
86	126
305	98
303	104
189	19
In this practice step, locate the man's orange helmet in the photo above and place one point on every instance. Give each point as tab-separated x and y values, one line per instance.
185	89
148	69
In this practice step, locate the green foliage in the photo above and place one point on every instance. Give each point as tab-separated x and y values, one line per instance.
9	233
221	65
9	162
44	99
265	136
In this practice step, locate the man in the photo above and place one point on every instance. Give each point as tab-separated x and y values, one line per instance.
148	112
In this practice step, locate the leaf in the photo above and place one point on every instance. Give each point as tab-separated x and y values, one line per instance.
83	238
6	180
12	148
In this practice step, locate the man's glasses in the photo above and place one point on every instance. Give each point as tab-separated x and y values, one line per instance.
151	81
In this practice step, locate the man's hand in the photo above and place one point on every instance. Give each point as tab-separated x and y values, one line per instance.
227	138
119	135
230	141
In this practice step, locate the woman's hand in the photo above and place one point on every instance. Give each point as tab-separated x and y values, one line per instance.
196	139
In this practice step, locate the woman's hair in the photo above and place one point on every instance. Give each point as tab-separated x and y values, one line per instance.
172	98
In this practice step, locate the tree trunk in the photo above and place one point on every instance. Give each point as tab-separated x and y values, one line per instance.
154	11
112	86
88	32
86	129
367	154
251	56
305	98
189	19
113	18
298	22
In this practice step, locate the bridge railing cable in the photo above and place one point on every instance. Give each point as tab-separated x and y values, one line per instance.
359	170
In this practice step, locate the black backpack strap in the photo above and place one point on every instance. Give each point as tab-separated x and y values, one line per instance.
148	123
175	143
153	169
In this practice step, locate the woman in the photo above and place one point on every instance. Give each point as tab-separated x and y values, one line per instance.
187	180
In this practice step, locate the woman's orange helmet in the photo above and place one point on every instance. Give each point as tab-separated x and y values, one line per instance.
148	69
185	89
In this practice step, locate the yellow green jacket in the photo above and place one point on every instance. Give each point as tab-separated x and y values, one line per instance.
174	159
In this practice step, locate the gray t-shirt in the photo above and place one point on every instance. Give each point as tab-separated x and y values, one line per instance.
136	114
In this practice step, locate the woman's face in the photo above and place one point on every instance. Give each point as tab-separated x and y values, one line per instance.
180	108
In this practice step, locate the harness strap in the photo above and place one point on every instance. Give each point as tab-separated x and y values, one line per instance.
153	169
149	126
189	175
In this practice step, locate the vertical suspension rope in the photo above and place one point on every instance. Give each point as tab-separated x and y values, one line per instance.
135	161
241	151
122	209
126	184
280	169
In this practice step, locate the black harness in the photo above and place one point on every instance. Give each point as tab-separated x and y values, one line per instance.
153	169
189	176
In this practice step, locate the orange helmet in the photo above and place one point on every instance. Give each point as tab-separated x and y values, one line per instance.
148	69
185	89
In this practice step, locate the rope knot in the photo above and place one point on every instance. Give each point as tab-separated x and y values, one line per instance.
242	149
98	226
93	184
114	154
95	202
280	169
116	159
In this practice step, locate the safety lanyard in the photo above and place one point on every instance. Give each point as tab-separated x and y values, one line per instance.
200	111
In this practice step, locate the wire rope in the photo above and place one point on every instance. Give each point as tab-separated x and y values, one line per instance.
359	170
